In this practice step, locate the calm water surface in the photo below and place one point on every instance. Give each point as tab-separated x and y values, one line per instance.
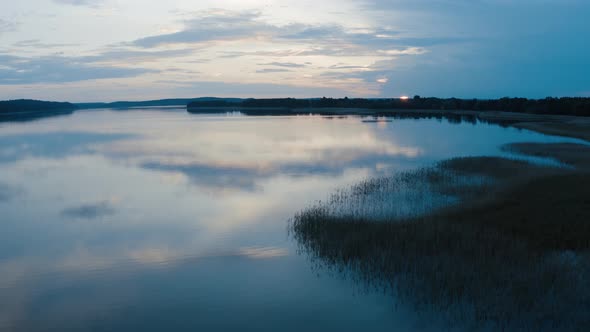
162	220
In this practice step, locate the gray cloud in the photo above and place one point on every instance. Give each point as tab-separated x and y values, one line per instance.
90	211
272	70
316	50
284	64
59	69
342	49
211	27
125	55
327	39
88	3
36	43
254	89
6	26
341	66
327	33
369	76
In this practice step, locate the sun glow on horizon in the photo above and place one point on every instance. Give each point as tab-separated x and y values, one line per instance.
404	97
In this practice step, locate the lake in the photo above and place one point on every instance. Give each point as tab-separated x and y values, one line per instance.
157	219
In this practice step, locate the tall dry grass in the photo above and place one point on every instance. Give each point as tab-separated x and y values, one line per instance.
484	266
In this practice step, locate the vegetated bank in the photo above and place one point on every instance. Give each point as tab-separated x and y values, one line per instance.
508	248
26	109
330	106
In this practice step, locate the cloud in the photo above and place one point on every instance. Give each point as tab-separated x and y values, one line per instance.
90	211
326	33
126	55
59	69
285	64
87	3
247	90
344	48
208	29
405	51
367	74
213	25
327	39
36	43
475	47
342	66
273	70
7	26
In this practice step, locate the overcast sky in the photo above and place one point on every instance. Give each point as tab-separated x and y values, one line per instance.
103	50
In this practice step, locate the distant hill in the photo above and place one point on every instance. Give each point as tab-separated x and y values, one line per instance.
27	109
154	103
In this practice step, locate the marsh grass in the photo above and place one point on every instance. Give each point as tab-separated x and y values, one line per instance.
514	257
415	193
406	195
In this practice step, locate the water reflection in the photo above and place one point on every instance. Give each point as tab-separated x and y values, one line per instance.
8	192
90	211
243	151
143	211
51	145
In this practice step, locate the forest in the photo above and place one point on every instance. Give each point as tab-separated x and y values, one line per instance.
27	105
26	109
559	106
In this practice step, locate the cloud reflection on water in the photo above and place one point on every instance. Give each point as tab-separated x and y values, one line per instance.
54	145
9	192
90	211
218	176
241	153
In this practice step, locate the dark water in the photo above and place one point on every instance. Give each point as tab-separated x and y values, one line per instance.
161	220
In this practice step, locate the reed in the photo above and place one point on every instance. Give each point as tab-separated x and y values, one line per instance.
519	261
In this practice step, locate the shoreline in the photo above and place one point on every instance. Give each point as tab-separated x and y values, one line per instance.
573	128
550	124
31	115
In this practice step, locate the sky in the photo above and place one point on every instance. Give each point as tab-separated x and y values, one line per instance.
107	50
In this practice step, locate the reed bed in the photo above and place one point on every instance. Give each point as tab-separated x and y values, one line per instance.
406	195
495	266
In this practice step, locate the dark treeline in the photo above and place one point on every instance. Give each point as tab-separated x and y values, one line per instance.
24	109
561	106
266	103
26	105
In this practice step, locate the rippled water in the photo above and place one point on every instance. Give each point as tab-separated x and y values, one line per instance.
163	220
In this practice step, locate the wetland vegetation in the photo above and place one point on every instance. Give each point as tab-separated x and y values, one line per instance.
491	242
